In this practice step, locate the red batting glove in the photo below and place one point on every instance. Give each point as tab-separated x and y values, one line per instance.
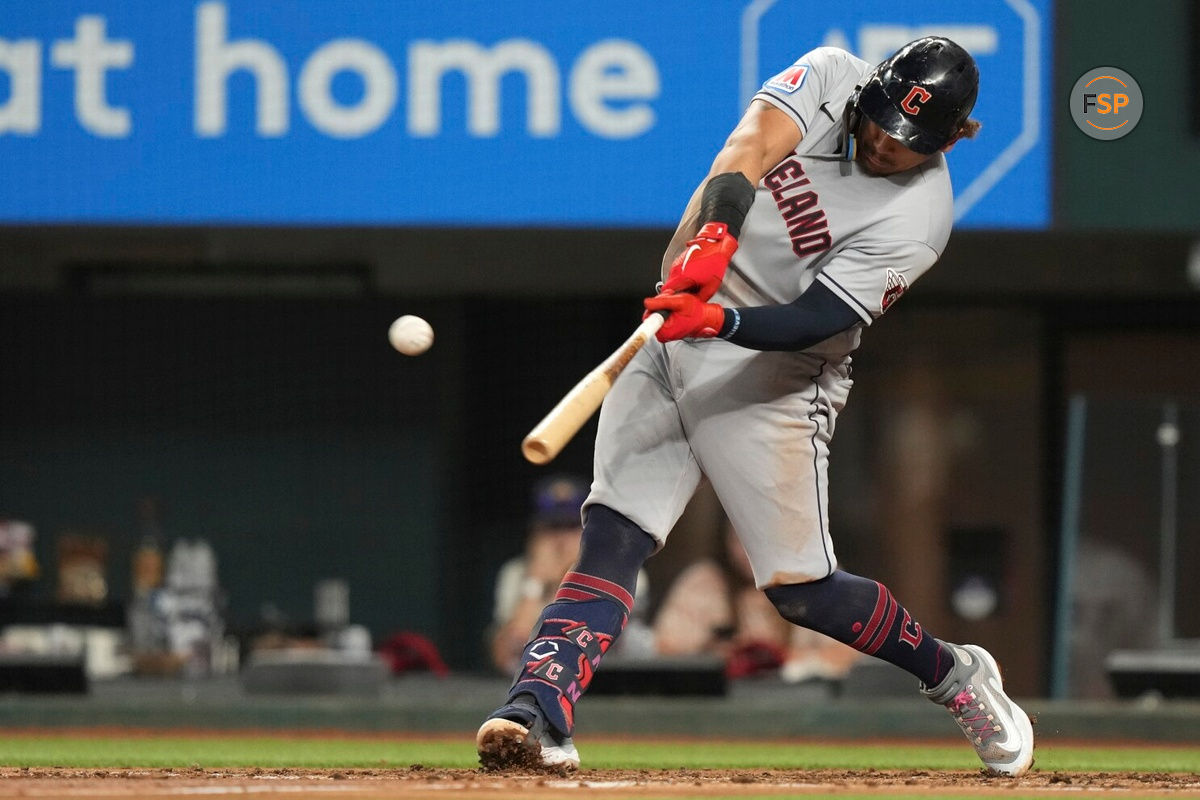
690	318
701	266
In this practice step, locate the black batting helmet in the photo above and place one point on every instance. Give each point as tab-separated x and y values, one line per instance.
921	95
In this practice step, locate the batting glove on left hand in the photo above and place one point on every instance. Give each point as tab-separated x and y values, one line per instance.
700	268
689	317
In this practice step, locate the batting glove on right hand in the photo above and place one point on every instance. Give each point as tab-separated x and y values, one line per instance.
701	266
688	317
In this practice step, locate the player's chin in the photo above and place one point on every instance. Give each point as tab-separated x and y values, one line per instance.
873	166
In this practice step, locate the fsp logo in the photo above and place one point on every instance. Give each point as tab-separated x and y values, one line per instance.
1106	103
916	98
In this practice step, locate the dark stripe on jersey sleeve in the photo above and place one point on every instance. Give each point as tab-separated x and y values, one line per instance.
812	317
846	297
784	107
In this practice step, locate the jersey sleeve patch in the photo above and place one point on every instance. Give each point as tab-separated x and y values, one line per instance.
873	275
790	79
895	286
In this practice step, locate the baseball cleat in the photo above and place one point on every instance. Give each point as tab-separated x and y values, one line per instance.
974	695
517	735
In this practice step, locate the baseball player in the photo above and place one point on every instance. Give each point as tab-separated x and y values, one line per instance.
828	200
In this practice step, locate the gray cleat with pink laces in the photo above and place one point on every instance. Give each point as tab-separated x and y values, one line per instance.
974	695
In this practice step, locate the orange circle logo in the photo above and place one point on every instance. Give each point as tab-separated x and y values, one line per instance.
1106	103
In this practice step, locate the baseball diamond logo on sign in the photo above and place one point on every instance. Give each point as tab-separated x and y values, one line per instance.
1002	173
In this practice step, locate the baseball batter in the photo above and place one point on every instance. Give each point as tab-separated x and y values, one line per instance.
830	198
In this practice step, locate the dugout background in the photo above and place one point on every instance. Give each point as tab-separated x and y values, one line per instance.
276	421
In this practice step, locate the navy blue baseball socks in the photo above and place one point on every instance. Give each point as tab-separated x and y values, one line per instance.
863	613
536	724
996	727
589	612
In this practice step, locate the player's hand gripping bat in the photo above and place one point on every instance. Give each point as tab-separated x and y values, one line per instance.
551	435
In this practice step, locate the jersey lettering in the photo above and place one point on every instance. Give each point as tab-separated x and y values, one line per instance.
784	174
806	223
808	227
796	205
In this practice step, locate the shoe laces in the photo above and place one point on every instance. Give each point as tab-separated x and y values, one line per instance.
971	713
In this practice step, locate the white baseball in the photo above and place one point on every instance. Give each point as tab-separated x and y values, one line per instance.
411	335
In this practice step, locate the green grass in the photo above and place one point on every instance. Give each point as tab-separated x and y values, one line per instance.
269	752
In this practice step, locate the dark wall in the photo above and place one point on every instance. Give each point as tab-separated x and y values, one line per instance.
1147	179
286	432
289	434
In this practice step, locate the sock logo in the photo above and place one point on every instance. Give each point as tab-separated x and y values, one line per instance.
583	638
566	648
913	637
543	649
584	672
593	643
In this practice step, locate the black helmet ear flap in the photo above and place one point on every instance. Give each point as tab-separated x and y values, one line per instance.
850	119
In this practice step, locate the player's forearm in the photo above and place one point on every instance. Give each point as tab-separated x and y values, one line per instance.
723	200
763	137
689	223
761	140
744	154
698	212
813	317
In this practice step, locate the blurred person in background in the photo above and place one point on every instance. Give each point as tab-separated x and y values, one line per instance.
526	583
18	565
1114	602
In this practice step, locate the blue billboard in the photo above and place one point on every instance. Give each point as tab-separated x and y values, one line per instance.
500	113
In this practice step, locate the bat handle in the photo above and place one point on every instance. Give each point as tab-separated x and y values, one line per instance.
652	323
615	363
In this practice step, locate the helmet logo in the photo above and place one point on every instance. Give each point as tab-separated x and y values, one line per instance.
915	99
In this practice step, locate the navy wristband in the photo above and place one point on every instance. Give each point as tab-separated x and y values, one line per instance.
733	321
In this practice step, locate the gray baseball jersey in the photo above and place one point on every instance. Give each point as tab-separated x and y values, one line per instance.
818	217
759	424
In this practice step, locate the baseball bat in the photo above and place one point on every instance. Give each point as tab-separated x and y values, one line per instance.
551	435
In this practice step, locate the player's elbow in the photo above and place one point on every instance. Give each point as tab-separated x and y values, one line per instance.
745	151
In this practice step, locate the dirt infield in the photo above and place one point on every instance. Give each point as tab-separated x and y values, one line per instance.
420	783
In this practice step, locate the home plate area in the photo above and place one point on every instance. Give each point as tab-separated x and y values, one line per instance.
417	783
